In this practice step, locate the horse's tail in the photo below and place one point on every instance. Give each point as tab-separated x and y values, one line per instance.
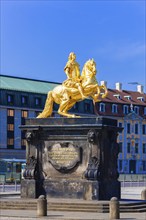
48	107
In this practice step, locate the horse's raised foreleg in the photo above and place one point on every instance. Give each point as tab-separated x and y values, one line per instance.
103	87
95	96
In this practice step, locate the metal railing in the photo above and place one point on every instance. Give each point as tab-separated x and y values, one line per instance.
127	180
132	180
5	187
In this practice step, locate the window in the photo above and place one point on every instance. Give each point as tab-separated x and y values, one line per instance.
144	148
125	109
144	110
136	148
76	106
128	147
120	166
128	128
114	108
136	110
24	114
37	113
10	99
10	112
10	143
24	100
117	96
120	147
141	99
128	97
143	129
10	127
87	107
23	142
37	101
136	128
22	135
18	167
144	165
120	126
102	107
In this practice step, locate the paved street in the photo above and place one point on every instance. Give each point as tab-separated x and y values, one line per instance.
31	215
126	192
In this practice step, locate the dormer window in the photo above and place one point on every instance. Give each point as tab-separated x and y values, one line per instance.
125	109
10	99
128	97
117	96
141	99
37	101
24	100
136	110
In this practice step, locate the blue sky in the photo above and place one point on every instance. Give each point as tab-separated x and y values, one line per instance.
37	37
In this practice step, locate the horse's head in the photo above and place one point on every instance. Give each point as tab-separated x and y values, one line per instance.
89	68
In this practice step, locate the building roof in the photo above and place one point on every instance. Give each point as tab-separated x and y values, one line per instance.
40	86
125	97
26	85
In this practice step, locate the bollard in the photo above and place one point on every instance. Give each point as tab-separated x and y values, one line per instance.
114	212
143	194
16	185
42	206
3	187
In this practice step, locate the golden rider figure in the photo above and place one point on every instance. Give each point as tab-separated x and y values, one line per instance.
72	70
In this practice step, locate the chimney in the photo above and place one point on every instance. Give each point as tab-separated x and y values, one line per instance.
103	83
119	86
140	89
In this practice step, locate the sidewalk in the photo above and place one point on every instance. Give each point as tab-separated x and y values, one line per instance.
126	193
31	215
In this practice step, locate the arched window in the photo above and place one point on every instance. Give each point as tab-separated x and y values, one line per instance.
102	107
136	110
114	108
125	109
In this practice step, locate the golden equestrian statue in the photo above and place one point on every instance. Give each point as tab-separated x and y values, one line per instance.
75	88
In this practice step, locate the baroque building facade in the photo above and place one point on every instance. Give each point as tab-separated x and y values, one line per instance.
129	108
22	98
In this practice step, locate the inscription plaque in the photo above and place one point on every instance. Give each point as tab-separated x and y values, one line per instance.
64	156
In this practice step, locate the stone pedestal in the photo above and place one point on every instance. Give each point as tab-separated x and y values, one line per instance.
71	158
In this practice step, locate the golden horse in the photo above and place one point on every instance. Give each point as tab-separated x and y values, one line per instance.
90	89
